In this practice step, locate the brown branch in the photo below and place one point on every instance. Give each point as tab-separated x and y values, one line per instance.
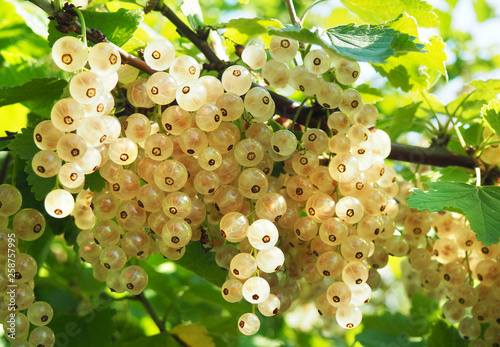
435	156
185	31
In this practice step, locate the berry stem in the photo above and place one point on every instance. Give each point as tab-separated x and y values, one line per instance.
297	113
82	23
309	119
149	309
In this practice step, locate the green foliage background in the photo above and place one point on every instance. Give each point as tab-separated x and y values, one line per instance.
408	77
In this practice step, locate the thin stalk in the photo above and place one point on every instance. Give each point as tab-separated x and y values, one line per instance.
478	177
306	11
149	309
84	26
298	112
441	130
309	119
291	12
460	137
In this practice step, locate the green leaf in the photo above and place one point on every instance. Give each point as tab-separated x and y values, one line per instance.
370	94
392	323
483	10
24	145
450	174
423	313
375	338
251	26
40	186
379	11
443	334
403	119
467	105
241	31
198	260
94	182
491	114
372	44
480	205
17	68
413	71
94	329
39	94
118	27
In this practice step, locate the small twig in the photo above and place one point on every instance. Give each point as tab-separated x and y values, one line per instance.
306	11
149	309
292	13
185	31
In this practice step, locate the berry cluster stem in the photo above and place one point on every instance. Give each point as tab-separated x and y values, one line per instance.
84	26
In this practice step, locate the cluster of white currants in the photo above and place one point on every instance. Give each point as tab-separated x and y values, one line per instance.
446	261
18	308
195	162
199	164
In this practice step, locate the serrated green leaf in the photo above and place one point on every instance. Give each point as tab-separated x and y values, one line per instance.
449	174
118	27
491	114
480	205
24	145
39	94
94	329
372	44
403	119
94	182
40	186
379	11
443	334
413	71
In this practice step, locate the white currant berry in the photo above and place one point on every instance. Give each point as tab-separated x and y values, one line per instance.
283	49
69	54
104	59
236	79
249	324
159	54
161	88
59	203
86	87
185	69
254	56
